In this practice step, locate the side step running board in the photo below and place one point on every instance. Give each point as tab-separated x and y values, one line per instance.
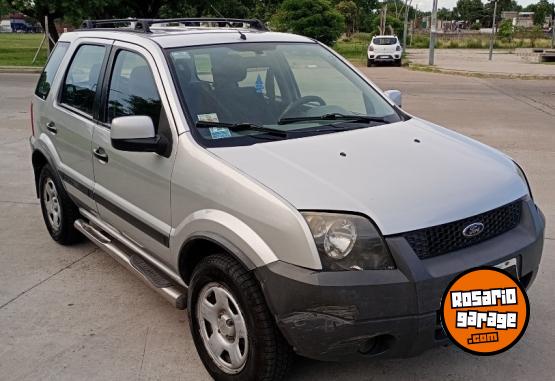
174	293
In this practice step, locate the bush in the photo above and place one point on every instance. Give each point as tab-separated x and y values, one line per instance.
419	41
506	29
312	18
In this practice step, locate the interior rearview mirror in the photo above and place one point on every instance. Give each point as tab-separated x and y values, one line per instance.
395	96
136	134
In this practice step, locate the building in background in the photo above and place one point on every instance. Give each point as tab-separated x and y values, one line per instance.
519	19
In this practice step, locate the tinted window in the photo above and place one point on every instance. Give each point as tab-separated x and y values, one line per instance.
385	41
50	70
82	77
132	88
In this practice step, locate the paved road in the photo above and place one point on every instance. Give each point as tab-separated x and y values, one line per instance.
523	63
74	313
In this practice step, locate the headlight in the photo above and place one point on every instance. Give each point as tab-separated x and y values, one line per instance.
523	177
348	242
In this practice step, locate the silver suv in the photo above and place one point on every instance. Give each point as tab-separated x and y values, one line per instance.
260	181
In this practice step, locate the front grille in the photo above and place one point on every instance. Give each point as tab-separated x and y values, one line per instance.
443	239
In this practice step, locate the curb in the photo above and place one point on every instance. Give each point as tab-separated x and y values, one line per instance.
20	69
477	74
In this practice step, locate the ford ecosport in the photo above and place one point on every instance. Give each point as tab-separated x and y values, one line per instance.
261	182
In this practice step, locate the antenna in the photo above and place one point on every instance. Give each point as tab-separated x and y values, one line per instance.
243	36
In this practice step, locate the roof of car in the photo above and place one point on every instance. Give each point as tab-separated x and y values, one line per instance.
386	36
194	36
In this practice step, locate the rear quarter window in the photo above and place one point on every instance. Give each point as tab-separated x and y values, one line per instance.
50	70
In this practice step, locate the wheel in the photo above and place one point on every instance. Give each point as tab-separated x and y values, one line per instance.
369	62
58	211
234	333
398	62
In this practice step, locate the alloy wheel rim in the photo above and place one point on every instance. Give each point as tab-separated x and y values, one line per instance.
52	205
222	328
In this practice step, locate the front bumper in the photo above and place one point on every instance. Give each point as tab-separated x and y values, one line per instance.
393	313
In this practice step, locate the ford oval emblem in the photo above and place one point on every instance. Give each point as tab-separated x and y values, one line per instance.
473	230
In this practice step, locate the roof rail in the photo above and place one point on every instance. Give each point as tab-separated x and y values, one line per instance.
143	25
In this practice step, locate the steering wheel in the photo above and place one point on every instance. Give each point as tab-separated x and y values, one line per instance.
302	101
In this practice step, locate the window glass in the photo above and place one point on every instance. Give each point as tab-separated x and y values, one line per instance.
132	88
318	75
81	81
50	70
279	86
385	40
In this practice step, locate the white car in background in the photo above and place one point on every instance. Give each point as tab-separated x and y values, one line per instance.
384	49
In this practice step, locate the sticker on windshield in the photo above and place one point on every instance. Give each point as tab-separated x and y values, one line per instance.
213	117
220	132
259	85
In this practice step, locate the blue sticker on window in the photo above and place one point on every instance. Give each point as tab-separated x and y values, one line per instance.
259	85
220	132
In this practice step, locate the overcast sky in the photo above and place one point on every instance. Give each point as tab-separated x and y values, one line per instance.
426	5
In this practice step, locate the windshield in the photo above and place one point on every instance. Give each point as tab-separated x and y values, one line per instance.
238	94
384	41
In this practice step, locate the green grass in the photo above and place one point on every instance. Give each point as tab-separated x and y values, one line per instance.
18	49
482	42
354	48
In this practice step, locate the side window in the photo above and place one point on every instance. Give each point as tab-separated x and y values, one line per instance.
81	82
50	70
132	89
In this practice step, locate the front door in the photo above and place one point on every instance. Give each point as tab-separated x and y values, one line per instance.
132	189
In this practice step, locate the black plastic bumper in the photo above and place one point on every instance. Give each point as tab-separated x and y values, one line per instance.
393	313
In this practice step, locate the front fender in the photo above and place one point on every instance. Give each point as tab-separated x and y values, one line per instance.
226	230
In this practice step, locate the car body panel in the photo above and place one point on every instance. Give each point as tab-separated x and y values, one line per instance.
399	183
208	194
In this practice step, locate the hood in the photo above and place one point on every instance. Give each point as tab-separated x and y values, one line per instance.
404	176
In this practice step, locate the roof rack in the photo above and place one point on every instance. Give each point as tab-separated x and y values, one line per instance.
143	25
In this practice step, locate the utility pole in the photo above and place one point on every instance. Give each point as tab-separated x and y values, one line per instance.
433	31
406	26
492	37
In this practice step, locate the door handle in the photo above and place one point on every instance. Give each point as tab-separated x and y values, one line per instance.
51	126
101	155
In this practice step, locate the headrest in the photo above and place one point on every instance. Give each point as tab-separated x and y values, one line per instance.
230	70
183	68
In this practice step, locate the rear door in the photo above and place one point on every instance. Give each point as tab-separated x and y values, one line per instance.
73	114
132	189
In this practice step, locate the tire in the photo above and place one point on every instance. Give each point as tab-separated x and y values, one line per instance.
398	62
369	62
264	353
54	197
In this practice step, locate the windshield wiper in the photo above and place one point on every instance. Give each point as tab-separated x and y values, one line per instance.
242	126
335	116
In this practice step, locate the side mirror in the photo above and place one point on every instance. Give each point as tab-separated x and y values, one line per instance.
395	96
136	134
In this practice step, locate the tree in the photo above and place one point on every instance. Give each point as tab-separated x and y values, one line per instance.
502	6
444	14
349	10
541	9
312	18
470	10
506	29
